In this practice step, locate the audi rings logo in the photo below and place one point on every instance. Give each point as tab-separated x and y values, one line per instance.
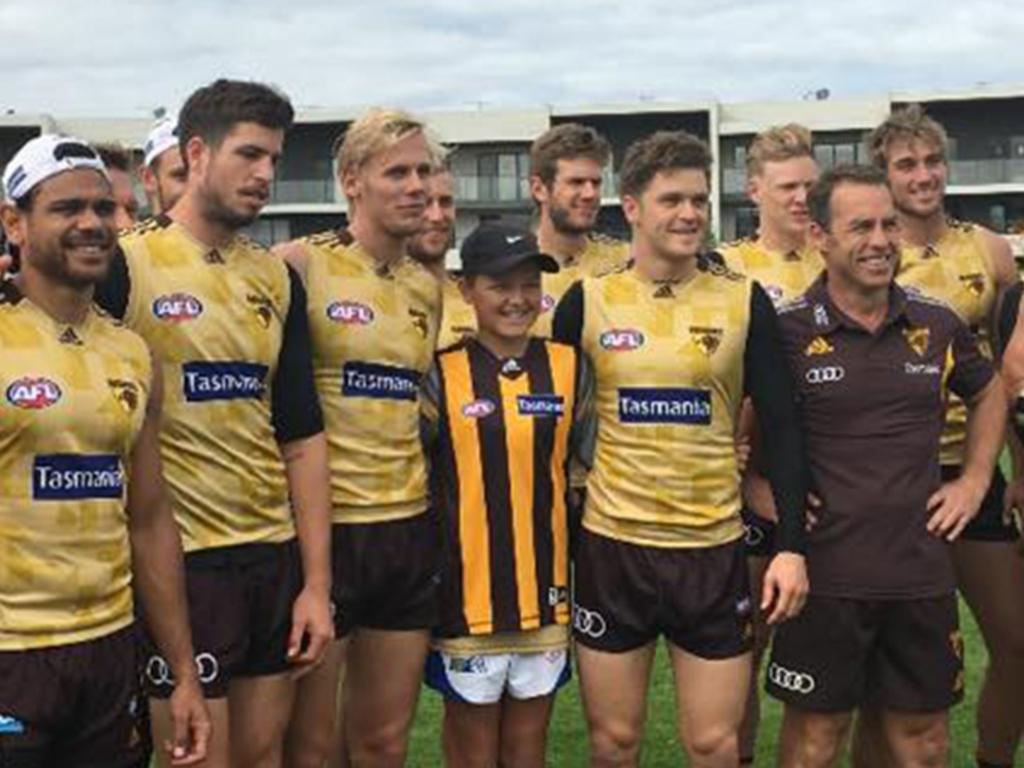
588	623
826	375
788	680
159	673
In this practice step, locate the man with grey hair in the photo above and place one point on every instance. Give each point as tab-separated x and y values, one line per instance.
873	365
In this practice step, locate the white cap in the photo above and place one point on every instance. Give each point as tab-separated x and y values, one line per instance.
162	137
46	156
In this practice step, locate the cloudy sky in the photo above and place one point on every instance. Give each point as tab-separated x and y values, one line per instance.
125	58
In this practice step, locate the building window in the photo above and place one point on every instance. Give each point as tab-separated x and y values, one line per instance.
269	231
503	176
829	155
997	217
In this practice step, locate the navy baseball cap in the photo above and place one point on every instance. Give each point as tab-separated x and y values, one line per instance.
493	249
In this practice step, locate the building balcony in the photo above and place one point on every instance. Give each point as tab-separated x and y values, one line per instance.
514	190
492	190
988	171
734	181
472	191
300	191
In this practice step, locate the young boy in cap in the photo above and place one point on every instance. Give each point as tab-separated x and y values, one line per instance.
502	411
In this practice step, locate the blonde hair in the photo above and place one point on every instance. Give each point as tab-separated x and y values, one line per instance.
907	124
778	143
377	130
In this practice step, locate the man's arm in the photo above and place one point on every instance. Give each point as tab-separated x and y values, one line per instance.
159	579
295	255
430	408
1009	350
567	325
299	428
112	294
975	381
1004	268
583	435
767	381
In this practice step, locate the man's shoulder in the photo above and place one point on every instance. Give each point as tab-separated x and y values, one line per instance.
735	251
803	317
145	227
925	309
143	235
604	253
798	306
714	265
328	239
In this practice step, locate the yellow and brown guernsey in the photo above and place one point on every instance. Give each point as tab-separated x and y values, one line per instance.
668	362
784	276
958	270
500	458
73	402
374	331
216	318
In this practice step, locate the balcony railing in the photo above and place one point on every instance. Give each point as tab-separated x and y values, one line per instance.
492	189
991	171
961	172
495	190
734	181
292	191
515	189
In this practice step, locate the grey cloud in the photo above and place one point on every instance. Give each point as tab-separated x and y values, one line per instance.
124	57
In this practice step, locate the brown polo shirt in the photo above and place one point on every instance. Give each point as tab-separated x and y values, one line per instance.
872	408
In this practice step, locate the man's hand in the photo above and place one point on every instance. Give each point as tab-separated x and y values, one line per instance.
312	629
785	587
953	506
190	724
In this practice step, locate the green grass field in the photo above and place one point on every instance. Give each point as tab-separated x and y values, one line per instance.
568	746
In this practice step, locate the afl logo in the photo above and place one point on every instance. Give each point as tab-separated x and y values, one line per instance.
547	302
177	307
478	409
622	340
350	313
33	394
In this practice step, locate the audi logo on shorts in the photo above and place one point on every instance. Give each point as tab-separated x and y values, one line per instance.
788	680
829	374
587	622
159	672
